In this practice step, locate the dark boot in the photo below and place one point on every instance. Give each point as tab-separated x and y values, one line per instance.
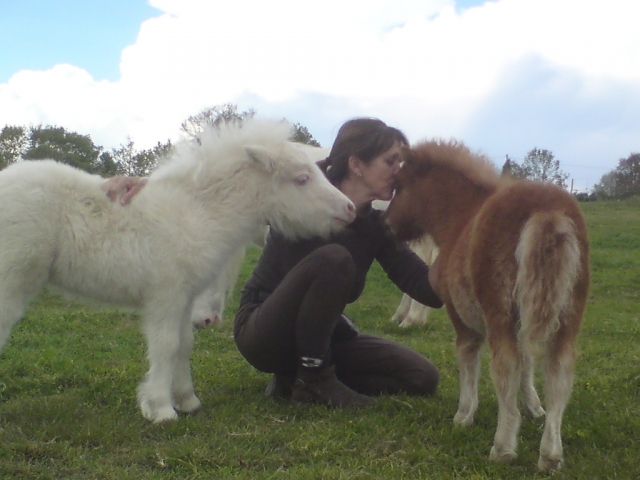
279	386
324	388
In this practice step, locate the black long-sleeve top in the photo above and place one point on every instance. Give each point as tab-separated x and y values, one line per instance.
367	238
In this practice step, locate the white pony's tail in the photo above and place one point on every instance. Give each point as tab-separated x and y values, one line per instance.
548	257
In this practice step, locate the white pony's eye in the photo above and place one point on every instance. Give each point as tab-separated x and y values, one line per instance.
302	179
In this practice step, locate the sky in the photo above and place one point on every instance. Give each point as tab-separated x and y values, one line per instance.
503	76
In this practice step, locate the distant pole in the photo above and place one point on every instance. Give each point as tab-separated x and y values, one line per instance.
571	191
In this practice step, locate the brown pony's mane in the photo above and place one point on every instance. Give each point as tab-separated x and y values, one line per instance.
454	155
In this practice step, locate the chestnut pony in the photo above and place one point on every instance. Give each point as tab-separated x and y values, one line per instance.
513	269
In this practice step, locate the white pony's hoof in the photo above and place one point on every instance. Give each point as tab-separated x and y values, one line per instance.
158	415
165	415
502	456
190	405
410	322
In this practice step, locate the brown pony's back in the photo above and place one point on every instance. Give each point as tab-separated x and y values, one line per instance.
513	270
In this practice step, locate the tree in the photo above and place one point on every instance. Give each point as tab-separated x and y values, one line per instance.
228	113
130	162
147	160
540	165
214	116
13	144
623	182
629	175
107	166
608	186
512	169
64	146
123	158
301	135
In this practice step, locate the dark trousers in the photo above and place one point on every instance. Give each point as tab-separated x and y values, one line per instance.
299	318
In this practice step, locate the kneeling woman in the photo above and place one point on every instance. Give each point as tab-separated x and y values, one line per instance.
290	321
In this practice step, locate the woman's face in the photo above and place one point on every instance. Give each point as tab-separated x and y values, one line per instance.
379	175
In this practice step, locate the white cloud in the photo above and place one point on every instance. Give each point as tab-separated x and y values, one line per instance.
421	65
64	95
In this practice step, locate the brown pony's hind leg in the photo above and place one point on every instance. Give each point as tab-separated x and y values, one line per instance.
506	372
468	344
530	396
558	383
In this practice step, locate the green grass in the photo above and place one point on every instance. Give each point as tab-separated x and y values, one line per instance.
69	377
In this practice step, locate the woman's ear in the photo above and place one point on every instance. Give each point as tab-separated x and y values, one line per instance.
355	166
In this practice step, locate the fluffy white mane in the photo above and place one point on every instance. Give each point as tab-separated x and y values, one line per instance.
221	148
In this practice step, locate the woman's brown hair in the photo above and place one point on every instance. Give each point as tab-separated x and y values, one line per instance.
366	138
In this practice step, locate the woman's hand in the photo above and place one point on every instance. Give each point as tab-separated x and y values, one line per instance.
124	188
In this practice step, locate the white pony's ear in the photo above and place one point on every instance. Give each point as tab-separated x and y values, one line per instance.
261	155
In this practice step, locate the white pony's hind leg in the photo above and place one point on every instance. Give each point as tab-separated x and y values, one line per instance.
14	298
162	325
410	312
183	393
11	311
418	314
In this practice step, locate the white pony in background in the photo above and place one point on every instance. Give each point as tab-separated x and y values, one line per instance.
411	312
208	307
58	227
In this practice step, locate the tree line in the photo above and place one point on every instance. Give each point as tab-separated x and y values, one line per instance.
57	143
621	182
618	184
539	165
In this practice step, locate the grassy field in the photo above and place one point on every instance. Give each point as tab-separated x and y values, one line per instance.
69	376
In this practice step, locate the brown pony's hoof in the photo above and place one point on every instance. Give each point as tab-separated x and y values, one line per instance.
535	412
551	465
463	419
500	456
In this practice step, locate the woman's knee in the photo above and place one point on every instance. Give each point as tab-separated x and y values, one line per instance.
423	381
335	261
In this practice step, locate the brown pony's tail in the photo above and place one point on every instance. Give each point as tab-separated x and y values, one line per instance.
548	257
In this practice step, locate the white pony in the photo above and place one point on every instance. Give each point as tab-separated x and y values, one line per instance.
156	255
411	312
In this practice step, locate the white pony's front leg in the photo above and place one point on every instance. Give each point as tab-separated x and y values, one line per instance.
162	322
183	392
